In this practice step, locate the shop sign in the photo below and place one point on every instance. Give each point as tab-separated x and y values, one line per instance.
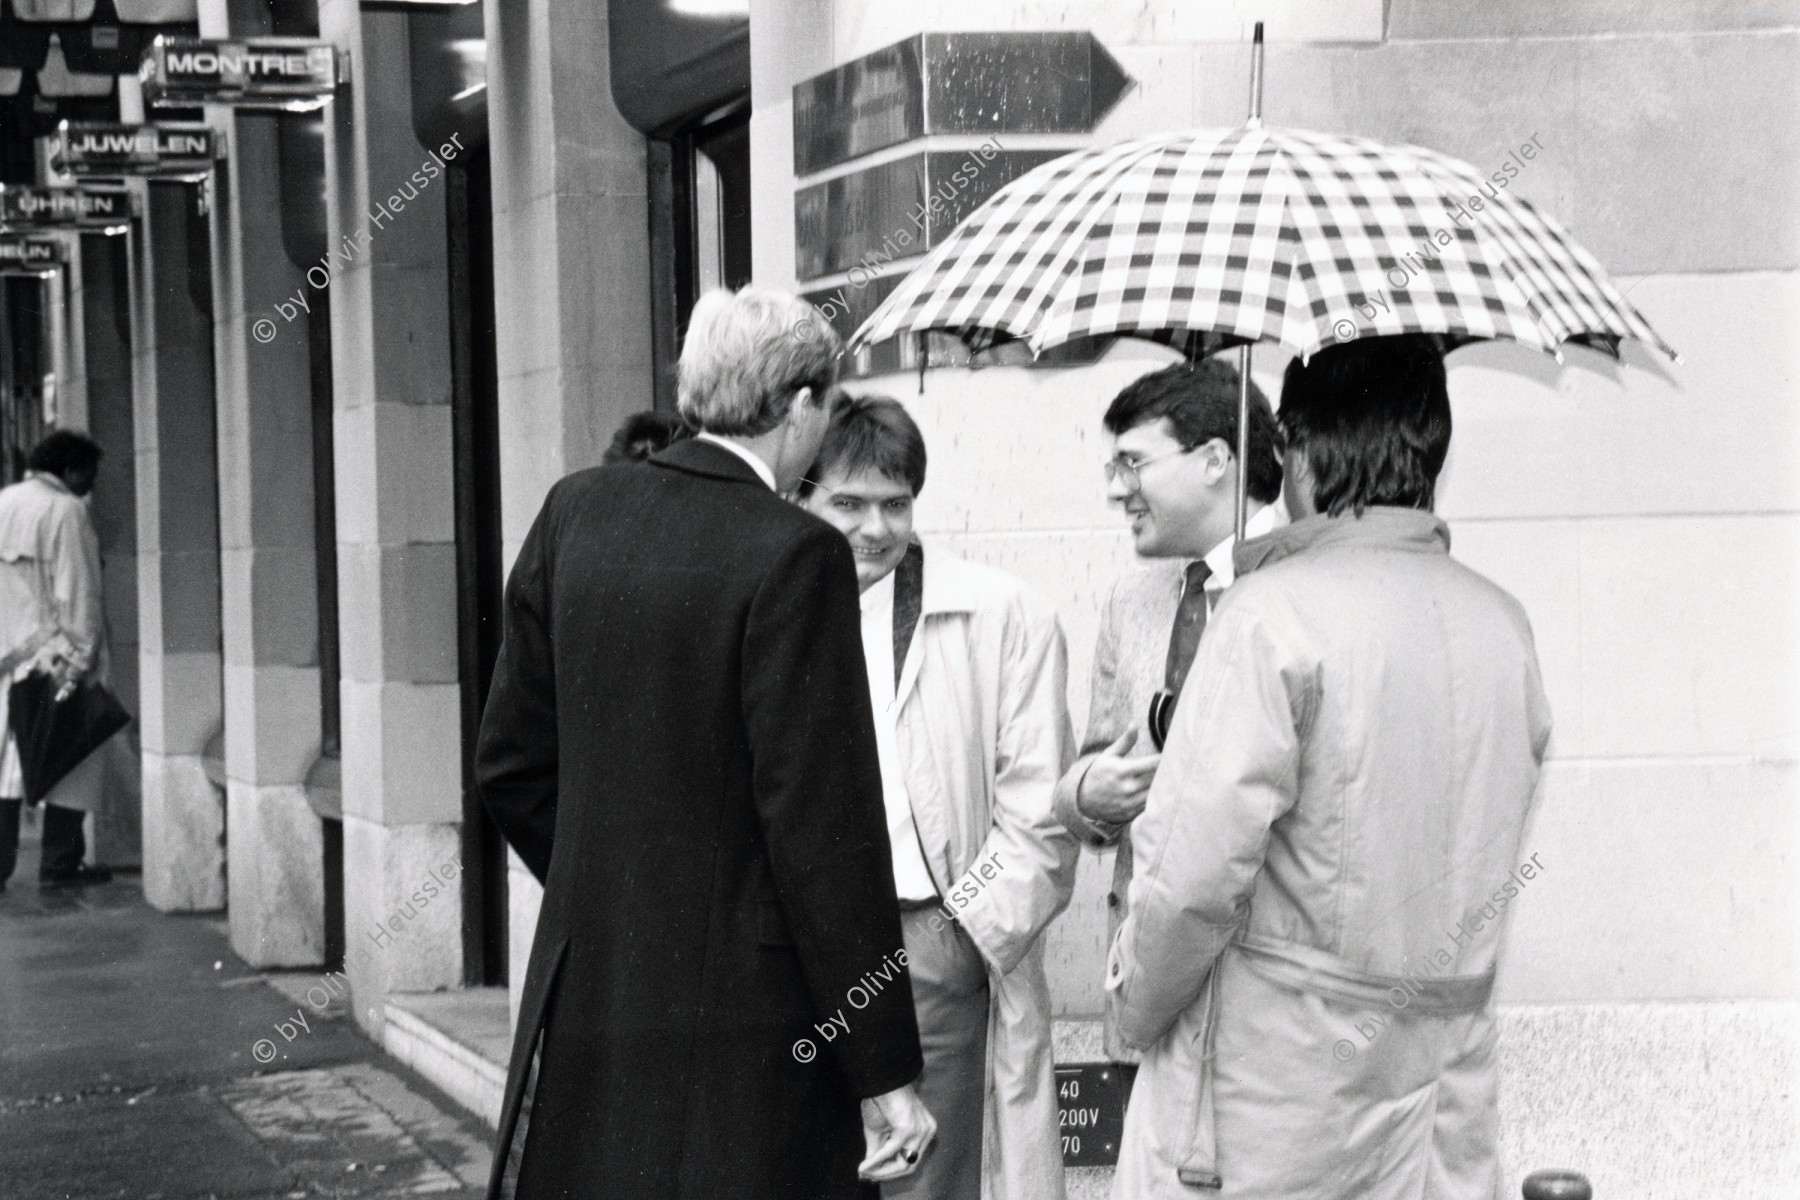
165	151
22	205
284	74
29	256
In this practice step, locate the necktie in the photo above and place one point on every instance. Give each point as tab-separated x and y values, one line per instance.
1190	623
909	601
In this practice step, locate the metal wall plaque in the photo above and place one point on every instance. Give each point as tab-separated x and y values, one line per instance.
179	151
899	208
850	303
979	83
280	73
28	207
1090	1111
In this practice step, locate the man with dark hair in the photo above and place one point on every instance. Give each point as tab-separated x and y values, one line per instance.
1174	471
1369	429
967	678
643	434
1335	833
51	622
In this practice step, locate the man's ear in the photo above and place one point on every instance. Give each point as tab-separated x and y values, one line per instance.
1218	461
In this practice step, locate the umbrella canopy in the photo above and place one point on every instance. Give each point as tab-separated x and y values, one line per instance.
1222	237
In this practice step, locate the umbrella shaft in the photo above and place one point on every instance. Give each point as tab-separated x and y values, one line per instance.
1243	442
1256	74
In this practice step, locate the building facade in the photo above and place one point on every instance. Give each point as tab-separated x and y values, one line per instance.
338	375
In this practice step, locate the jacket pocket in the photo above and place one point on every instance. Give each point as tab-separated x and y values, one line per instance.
771	926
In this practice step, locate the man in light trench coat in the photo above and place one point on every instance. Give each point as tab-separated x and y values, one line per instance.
1335	833
968	677
51	622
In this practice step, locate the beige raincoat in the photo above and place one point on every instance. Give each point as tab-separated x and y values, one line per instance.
49	607
1324	866
984	734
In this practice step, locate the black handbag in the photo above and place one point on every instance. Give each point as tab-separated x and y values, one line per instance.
54	736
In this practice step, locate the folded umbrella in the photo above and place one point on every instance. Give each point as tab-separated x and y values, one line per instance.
53	736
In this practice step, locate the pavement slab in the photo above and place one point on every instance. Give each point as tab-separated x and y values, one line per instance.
140	1059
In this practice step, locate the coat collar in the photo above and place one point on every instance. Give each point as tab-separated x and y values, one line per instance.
708	460
53	482
951	585
1409	529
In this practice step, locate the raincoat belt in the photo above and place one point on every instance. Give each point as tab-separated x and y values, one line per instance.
1318	973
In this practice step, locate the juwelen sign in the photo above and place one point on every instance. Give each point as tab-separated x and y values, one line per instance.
285	74
22	205
157	151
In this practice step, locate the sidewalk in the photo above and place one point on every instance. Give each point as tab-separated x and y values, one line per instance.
131	1067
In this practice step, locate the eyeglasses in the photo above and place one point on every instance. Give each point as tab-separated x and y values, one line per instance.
1125	471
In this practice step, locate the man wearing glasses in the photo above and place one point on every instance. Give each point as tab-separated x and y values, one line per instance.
1174	471
968	678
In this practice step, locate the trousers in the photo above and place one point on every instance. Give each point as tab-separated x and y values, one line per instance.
65	844
950	996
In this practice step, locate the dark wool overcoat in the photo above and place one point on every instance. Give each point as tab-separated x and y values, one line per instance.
679	744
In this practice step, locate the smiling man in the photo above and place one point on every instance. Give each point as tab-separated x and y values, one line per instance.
968	677
1174	472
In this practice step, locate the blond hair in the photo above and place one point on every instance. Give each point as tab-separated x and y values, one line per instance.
746	354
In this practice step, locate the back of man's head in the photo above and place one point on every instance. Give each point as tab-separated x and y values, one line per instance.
64	453
1200	401
870	432
1372	418
745	356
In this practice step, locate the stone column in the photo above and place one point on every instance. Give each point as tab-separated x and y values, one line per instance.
268	568
105	353
571	274
181	703
390	330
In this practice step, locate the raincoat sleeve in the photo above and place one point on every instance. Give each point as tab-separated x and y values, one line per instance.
1229	772
1109	716
1025	872
516	751
74	554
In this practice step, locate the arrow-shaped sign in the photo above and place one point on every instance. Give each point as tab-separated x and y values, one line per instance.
990	84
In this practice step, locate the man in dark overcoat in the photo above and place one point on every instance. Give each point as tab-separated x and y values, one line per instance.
679	744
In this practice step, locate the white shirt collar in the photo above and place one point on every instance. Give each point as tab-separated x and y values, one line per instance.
758	465
879	597
1218	559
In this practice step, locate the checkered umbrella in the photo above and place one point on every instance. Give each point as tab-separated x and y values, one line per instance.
1223	237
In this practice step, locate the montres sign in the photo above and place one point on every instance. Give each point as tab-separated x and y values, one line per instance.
22	205
159	151
286	74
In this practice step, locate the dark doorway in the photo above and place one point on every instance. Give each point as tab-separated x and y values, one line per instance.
476	418
699	227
